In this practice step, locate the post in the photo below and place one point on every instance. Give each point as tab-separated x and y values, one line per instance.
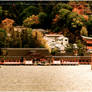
91	61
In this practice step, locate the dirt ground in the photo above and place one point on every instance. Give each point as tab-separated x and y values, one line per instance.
46	78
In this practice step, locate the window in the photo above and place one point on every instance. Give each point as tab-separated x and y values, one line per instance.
65	39
53	41
89	44
61	40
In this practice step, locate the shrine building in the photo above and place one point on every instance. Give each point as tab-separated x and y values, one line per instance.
88	41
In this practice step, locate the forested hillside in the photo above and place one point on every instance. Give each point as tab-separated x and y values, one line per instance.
72	19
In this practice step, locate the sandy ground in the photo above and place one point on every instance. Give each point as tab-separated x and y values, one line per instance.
46	78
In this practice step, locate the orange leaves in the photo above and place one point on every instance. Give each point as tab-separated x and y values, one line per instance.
57	17
86	17
31	20
82	9
7	24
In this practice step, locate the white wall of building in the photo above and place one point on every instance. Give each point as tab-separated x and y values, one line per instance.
56	41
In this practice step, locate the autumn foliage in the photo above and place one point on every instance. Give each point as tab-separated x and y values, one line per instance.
7	24
31	21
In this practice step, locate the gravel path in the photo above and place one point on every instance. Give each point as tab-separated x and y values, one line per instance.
46	78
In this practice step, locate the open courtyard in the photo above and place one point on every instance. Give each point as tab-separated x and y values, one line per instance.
46	78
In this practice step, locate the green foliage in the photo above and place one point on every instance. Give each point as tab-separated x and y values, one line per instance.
55	16
1	11
58	7
31	21
2	38
42	19
36	21
65	6
54	51
75	21
69	48
29	11
57	29
81	48
68	19
89	25
2	34
14	41
72	15
23	39
60	20
30	40
61	6
63	13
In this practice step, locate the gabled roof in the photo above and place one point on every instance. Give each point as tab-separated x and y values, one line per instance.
85	37
54	35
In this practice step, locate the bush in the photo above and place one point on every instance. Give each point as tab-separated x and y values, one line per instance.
54	51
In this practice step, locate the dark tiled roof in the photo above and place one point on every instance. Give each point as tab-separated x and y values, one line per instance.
27	51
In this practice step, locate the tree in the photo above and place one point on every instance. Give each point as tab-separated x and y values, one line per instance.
43	20
13	10
15	40
64	6
54	51
81	48
1	11
2	38
36	21
63	13
69	49
60	20
75	21
37	36
30	40
31	21
59	6
29	11
39	40
70	20
24	38
89	26
7	24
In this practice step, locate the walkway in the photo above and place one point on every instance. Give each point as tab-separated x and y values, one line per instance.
46	78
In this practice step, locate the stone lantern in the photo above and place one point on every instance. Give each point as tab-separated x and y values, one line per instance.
75	49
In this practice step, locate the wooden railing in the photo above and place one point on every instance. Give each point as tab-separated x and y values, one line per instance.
46	60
